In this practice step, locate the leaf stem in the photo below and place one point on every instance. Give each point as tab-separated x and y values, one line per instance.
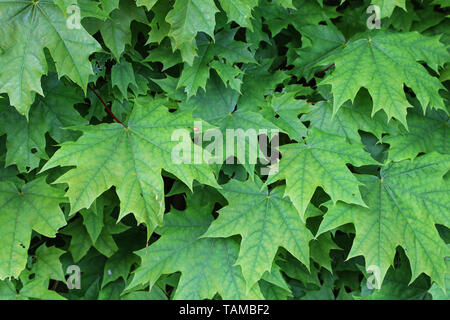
330	66
106	107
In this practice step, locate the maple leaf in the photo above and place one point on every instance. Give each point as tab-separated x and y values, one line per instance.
397	284
35	206
166	73
246	125
195	76
348	121
383	63
131	159
118	266
320	161
388	6
266	221
224	98
288	109
84	237
426	134
187	18
279	14
29	27
207	265
319	42
239	11
47	266
122	76
116	30
257	83
159	26
404	205
26	139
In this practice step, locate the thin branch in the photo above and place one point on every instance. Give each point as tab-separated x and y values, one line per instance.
327	68
106	107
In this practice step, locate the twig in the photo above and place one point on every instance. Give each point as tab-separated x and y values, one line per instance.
106	107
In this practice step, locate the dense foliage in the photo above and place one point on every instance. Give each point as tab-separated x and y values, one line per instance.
93	205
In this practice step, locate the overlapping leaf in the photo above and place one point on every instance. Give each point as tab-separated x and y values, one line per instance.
35	206
383	63
404	205
207	265
131	159
320	162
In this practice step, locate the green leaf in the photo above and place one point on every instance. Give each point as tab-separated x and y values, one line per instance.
348	121
25	139
239	11
288	109
116	30
320	162
404	205
388	6
122	76
225	47
131	159
47	263
383	63
397	285
426	134
28	28
240	131
207	266
34	207
266	221
319	42
187	18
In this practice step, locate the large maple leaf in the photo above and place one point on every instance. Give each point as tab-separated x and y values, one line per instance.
27	28
405	203
131	159
207	265
35	206
383	63
320	162
266	221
